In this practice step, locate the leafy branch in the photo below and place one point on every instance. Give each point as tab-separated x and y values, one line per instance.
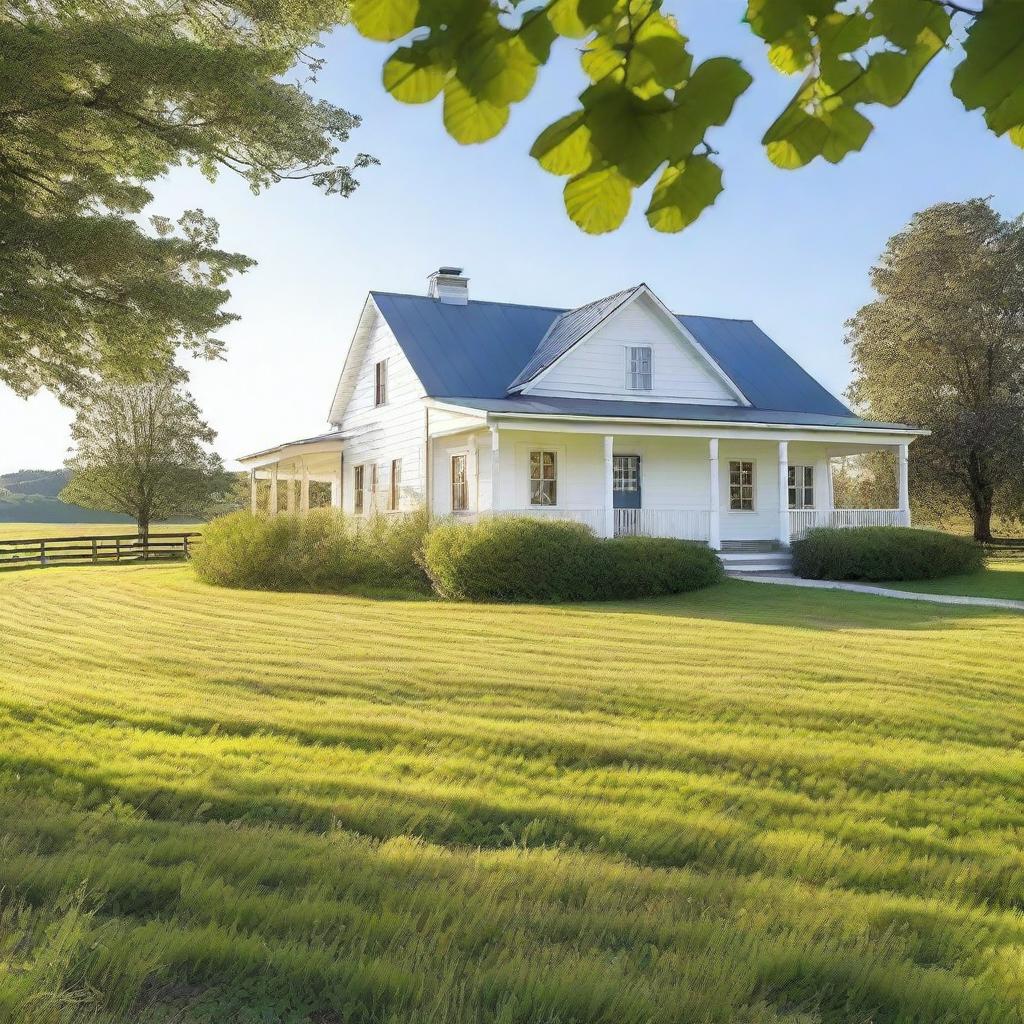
645	112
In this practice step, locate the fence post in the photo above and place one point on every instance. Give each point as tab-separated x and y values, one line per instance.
95	553
117	549
42	552
185	544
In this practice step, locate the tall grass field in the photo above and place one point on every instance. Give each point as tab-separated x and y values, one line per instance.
747	805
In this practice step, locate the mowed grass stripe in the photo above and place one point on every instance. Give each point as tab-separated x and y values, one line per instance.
748	804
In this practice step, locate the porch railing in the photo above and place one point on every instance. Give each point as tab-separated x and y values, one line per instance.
679	523
802	520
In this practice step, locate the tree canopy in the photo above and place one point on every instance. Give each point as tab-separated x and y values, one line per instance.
143	450
647	110
98	98
942	346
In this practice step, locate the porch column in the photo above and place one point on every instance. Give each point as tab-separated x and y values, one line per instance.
252	491
290	492
904	482
474	470
714	498
495	469
272	500
336	483
784	493
609	486
304	493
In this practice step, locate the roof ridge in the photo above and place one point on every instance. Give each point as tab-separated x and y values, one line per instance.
474	302
725	319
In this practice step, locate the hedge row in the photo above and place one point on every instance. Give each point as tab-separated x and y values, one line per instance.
322	551
884	553
503	559
523	559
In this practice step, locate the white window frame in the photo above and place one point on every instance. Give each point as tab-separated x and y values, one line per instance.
380	383
793	488
464	507
639	472
358	493
394	486
373	486
753	486
630	375
530	481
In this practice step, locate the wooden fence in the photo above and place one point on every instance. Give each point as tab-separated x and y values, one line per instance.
82	550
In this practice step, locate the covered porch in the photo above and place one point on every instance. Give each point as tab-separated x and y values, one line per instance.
728	488
289	472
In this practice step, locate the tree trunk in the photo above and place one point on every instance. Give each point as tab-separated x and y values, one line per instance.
982	514
143	522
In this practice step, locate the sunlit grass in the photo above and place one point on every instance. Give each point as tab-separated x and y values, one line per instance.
1002	578
749	804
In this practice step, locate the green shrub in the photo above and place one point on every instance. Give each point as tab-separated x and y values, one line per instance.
525	559
630	567
511	559
322	551
884	553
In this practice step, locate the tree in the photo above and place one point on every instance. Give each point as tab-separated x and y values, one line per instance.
141	449
646	108
98	97
943	346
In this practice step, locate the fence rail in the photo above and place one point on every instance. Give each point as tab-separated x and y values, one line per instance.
132	547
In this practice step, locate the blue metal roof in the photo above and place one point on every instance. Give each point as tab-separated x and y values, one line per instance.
569	328
476	349
479	350
767	375
612	408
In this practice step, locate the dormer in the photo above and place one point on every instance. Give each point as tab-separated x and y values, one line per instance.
626	346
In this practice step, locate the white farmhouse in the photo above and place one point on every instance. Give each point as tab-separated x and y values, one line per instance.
620	415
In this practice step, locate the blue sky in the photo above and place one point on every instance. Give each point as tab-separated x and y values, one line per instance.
791	250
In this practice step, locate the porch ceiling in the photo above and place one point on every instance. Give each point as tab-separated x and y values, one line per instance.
320	455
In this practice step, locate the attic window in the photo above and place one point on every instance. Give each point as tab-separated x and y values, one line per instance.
639	368
380	383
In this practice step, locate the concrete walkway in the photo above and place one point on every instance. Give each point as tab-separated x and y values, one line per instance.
864	588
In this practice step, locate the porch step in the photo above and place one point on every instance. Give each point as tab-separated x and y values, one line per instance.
748	546
744	562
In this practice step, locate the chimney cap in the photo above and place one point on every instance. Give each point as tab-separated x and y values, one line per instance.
448	285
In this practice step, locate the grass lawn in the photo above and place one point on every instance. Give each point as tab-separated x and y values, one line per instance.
1002	578
750	805
28	531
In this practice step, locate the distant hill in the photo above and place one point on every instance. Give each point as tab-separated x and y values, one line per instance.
30	496
47	483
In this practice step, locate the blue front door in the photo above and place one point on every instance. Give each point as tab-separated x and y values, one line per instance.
626	481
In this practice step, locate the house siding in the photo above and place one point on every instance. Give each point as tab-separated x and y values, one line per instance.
375	435
597	366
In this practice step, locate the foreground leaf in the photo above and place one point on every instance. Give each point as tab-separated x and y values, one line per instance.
598	201
684	192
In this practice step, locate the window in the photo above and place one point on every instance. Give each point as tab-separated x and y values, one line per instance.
460	486
640	375
358	476
543	478
380	383
373	487
741	486
801	487
626	473
395	491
